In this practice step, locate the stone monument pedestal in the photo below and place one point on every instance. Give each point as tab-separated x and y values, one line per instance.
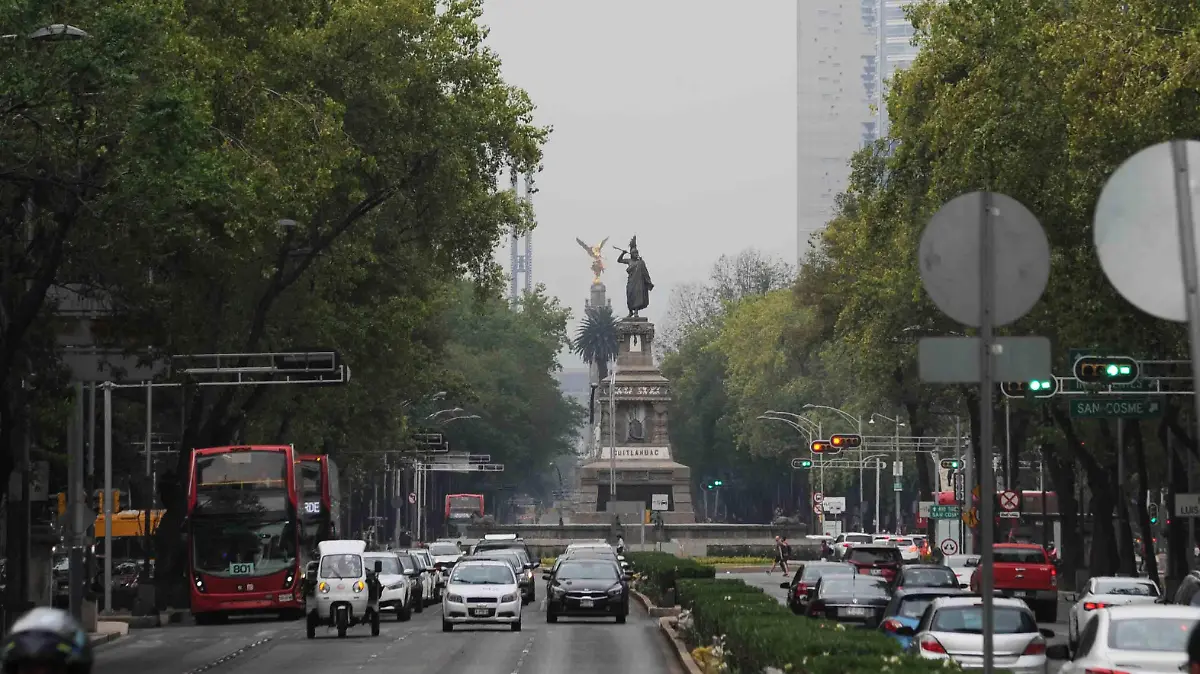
634	439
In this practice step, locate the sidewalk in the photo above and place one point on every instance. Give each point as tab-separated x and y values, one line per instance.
108	630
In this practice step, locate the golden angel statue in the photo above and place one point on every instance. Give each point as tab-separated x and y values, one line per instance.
597	255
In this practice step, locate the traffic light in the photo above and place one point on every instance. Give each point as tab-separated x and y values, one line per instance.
822	447
951	464
1107	370
840	442
1152	510
718	483
116	504
1037	388
805	463
62	503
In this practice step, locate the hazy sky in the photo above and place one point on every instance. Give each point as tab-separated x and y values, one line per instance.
674	120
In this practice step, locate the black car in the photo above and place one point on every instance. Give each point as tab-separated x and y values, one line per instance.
804	582
857	599
924	575
907	606
587	587
412	567
522	569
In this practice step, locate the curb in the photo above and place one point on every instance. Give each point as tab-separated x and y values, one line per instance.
652	610
98	639
682	655
740	569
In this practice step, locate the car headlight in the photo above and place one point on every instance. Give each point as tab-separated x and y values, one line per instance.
508	598
614	591
323	587
396	586
360	586
454	598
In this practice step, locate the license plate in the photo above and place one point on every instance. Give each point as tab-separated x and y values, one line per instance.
854	611
480	612
285	597
585	603
876	572
1023	595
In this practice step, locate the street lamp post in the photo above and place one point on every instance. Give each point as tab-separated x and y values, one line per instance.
612	434
896	443
858	428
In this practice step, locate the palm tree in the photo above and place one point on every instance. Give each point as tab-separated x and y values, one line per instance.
596	339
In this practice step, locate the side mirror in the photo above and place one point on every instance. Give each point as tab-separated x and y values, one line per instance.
621	557
1049	634
530	565
1058	652
785	586
905	631
546	575
625	578
379	566
409	572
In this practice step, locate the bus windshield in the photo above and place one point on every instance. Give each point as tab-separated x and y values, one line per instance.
241	481
242	545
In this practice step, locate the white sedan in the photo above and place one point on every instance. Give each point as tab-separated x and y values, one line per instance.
1137	637
1104	591
481	592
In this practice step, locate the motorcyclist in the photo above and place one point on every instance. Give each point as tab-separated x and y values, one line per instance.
46	641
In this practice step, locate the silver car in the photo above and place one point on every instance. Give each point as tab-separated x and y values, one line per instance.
952	629
1139	638
482	592
1104	591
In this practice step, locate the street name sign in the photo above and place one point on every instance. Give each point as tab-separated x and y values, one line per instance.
1116	407
1187	505
945	512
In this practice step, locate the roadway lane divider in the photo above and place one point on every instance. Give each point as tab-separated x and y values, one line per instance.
524	654
230	656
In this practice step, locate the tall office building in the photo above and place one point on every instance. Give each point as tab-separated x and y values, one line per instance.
844	53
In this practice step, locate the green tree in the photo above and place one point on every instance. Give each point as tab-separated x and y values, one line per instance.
596	340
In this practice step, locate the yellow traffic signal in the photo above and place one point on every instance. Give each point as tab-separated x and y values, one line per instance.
846	441
62	503
821	447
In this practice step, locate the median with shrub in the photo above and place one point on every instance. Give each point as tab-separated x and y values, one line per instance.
738	626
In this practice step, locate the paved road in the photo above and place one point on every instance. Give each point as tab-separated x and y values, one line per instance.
251	647
770	583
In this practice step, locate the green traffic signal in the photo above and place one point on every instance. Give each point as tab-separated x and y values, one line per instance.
1106	370
718	483
1152	510
806	463
951	464
1039	385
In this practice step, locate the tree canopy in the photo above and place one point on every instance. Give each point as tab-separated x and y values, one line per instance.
1040	101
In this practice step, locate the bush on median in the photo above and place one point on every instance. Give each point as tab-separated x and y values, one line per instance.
758	632
658	572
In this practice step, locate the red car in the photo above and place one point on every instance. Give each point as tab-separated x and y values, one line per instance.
876	560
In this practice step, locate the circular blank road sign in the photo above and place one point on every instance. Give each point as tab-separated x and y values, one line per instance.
949	546
1136	230
949	257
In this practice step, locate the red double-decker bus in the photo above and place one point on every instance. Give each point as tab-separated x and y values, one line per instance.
462	507
244	532
321	499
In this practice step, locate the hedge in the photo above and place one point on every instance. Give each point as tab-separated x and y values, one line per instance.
658	572
759	632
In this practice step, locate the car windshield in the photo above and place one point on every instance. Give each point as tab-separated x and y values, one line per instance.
852	588
242	545
930	578
958	561
341	566
1150	634
914	606
443	549
406	563
815	572
585	571
1020	556
969	620
874	555
391	565
903	542
482	574
1131	587
858	538
512	560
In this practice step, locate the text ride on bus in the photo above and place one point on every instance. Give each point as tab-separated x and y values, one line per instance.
320	495
244	534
